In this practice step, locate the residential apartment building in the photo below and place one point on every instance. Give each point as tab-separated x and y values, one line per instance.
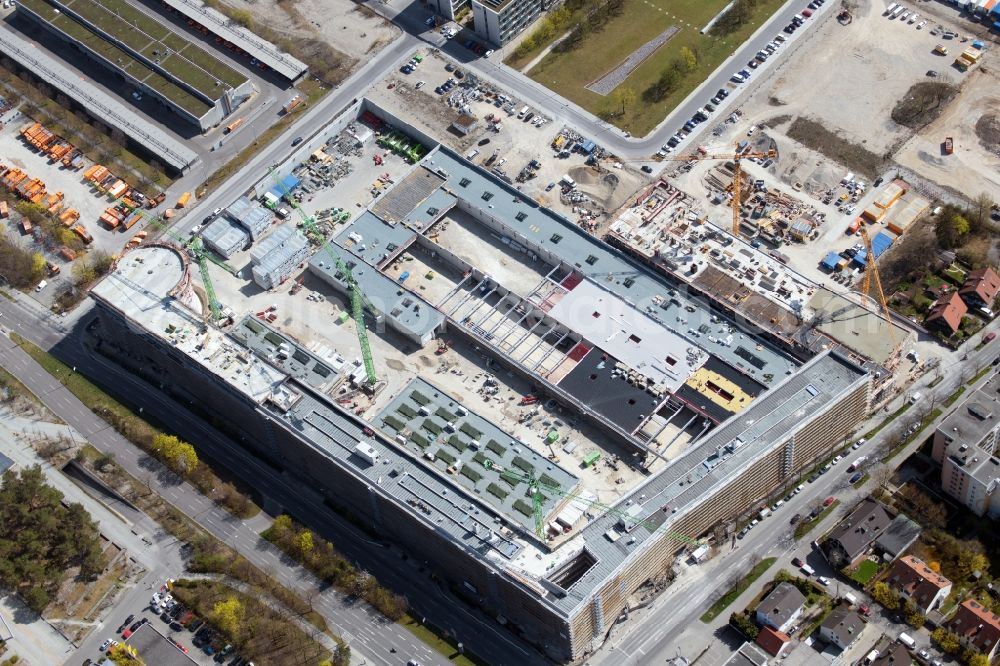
977	627
917	582
853	536
964	445
500	21
842	627
781	608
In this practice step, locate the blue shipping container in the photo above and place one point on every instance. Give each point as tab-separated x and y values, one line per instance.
831	261
880	244
288	184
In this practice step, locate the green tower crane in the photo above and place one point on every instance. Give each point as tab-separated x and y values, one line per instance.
357	297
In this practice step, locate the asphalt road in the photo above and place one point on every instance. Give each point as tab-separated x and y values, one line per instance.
653	635
364	629
410	18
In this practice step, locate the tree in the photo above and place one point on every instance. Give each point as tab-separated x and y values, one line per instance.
973	658
228	615
175	453
913	616
124	654
282	524
979	212
742	623
626	96
948	641
885	595
689	59
951	229
305	543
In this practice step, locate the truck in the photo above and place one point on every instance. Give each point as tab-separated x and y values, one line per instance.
82	233
949	145
233	125
857	464
156	201
896	12
183	200
293	104
67	253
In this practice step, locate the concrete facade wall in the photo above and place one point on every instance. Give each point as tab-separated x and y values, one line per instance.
500	27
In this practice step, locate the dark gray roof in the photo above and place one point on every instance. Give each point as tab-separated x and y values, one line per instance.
976	416
373	240
782	603
895	654
5	463
856	532
845	624
899	536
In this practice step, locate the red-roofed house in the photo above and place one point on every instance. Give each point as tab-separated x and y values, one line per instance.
947	313
980	289
915	581
977	627
773	641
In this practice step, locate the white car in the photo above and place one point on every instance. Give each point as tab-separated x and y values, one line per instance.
107	644
824	581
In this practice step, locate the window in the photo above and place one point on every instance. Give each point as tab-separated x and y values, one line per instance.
596	315
628	282
520	216
464	182
671	360
555	238
487	196
634	338
591	260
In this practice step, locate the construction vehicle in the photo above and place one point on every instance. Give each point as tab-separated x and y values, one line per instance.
54	202
949	145
357	298
156	201
736	157
59	150
297	287
67	253
69	217
184	199
82	233
119	189
233	125
536	487
872	277
529	399
293	104
442	348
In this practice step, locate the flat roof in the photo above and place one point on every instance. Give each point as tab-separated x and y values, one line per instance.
855	327
976	416
405	308
593	382
152	284
114	56
373	239
169	150
631	336
232	32
465	442
144	34
155	648
538	227
319	371
406	195
705	468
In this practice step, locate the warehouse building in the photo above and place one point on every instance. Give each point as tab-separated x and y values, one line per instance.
150	57
267	55
168	150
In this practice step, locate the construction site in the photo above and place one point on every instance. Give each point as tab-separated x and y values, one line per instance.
514	384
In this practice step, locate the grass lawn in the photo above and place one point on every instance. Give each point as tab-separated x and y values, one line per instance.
806	526
729	597
439	644
979	375
954	396
864	573
600	52
889	419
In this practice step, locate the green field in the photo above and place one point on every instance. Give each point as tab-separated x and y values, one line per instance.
568	73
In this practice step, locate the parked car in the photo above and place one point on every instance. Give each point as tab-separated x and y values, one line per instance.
797	561
824	581
829	500
855	477
646	168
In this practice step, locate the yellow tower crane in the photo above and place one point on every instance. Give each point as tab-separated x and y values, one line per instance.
736	158
872	277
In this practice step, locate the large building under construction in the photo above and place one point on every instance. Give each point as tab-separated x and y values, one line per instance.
716	417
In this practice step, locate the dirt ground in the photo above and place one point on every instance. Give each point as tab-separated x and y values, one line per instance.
973	167
355	31
516	144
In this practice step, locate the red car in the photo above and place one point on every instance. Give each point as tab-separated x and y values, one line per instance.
797	561
180	647
828	501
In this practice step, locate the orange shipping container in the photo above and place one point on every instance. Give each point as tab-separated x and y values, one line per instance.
132	219
91	170
67	253
118	189
110	220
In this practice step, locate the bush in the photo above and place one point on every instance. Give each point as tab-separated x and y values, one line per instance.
745	625
740	13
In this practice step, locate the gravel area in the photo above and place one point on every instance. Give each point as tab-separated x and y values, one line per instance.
607	83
